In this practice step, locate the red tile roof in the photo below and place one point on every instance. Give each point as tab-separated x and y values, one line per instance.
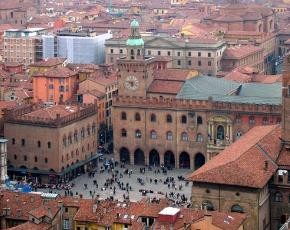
166	87
238	52
51	112
57	72
31	226
49	62
20	204
172	74
237	164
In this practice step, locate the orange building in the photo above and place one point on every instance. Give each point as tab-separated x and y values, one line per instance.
56	85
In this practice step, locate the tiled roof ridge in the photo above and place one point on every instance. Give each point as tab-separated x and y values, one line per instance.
265	153
237	156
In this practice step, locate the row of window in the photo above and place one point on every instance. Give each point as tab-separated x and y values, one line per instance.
199	63
169	135
67	140
153	118
149	52
23	143
209	206
25	158
251	120
76	152
183	118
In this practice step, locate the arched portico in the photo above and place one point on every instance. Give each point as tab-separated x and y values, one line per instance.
154	158
199	160
139	158
124	155
184	160
169	159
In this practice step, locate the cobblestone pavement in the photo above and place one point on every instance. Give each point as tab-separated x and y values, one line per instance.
159	189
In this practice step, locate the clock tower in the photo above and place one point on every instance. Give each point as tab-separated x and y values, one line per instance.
135	71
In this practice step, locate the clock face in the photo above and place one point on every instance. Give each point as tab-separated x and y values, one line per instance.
131	83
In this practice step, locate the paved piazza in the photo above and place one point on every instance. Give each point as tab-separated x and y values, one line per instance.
173	190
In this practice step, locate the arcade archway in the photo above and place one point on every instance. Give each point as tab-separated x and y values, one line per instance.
199	160
169	159
125	155
154	158
139	158
184	160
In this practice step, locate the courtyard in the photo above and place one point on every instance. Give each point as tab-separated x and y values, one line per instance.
130	182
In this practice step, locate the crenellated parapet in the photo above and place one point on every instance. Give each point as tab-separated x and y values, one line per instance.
185	104
23	116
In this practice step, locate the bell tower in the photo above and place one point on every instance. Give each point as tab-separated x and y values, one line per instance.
135	43
286	101
135	71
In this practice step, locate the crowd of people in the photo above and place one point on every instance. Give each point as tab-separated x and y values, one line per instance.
119	184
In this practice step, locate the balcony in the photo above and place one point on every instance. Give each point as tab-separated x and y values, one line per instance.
217	145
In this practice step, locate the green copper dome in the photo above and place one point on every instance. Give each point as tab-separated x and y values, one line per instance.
134	23
135	42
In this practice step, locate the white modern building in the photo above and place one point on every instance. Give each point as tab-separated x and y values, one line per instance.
77	45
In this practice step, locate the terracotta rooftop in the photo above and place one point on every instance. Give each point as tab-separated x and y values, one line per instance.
57	72
31	226
51	112
50	62
237	164
165	86
173	74
238	52
20	204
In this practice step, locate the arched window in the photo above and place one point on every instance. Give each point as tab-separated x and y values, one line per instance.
138	52
35	159
237	208
238	119
199	137
265	120
23	142
153	134
76	136
123	116
45	160
168	118
83	132
49	144
153	117
124	133
132	52
137	117
69	139
38	144
94	128
64	140
184	136
251	120
138	133
278	197
183	119
220	134
199	120
89	130
169	136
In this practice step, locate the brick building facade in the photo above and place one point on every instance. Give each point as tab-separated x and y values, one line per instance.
51	143
169	119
